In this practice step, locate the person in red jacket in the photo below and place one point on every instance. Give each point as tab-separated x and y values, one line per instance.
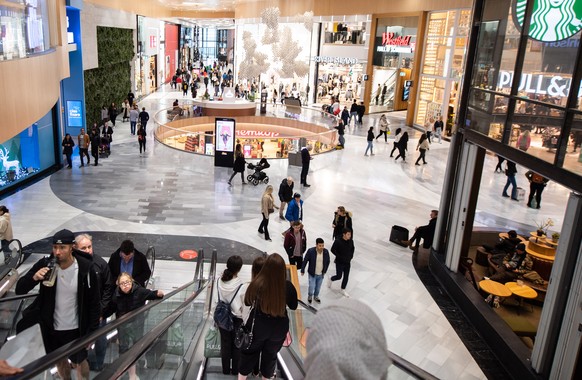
295	243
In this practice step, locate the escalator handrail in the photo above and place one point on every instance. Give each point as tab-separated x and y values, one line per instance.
397	360
38	366
128	358
151	250
19	297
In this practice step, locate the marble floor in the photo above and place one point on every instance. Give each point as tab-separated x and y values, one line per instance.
169	192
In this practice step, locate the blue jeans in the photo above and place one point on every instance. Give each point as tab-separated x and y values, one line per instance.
370	147
354	117
438	133
315	285
511	181
132	125
341	139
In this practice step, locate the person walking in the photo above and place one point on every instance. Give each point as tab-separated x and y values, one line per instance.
370	140
361	112
239	164
113	112
83	142
422	147
295	243
345	116
229	291
354	112
428	129
402	147
285	194
397	137
267	207
384	128
342	219
537	183
295	209
269	292
341	130
317	262
68	145
141	139
343	249
305	160
499	166
143	118
95	142
510	172
438	128
125	108
133	116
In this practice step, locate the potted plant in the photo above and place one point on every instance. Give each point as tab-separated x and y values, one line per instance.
555	237
543	227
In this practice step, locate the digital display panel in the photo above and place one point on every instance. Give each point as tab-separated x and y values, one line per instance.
74	113
224	132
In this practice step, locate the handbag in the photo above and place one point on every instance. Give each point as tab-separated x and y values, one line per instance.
271	210
243	338
212	343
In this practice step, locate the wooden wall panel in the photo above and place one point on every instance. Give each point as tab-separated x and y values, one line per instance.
149	8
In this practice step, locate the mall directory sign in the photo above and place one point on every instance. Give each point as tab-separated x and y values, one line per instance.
224	139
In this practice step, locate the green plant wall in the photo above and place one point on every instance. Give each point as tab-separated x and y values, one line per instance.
111	81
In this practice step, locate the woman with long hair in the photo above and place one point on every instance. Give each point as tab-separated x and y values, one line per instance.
229	290
422	147
267	208
269	293
68	145
239	164
397	137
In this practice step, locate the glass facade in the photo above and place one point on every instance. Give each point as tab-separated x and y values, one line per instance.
442	68
24	28
544	103
28	153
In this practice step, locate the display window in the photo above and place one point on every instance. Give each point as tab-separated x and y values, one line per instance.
24	28
345	33
343	81
442	67
28	153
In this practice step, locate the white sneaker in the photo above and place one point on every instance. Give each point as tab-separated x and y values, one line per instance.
344	293
329	282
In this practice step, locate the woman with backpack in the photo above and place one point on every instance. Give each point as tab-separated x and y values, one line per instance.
229	291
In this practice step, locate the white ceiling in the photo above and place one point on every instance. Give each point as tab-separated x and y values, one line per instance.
200	5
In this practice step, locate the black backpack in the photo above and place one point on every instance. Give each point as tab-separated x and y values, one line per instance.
222	313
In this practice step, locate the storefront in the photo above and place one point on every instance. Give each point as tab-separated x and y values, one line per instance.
150	62
171	52
393	63
30	152
442	67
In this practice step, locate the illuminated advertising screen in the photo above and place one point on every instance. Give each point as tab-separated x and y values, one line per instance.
224	132
74	113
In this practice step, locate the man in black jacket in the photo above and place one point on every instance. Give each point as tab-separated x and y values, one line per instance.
130	260
424	232
305	160
84	243
285	194
143	118
343	249
68	305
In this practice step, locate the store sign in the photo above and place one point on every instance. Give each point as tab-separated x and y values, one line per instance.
247	133
338	60
390	39
74	113
396	49
540	84
551	20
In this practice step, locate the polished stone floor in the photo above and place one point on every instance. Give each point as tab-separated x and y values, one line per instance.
168	192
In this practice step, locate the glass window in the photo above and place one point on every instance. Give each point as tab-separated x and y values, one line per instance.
486	122
536	129
573	158
24	28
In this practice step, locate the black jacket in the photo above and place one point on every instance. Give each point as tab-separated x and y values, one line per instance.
239	163
511	169
122	303
343	250
305	157
141	269
427	232
106	284
144	117
43	308
370	135
68	146
341	222
286	191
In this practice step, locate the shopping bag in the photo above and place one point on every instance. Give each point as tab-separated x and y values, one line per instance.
212	343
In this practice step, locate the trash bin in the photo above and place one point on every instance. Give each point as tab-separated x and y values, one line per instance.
397	234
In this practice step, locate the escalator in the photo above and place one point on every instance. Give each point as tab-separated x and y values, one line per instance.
171	344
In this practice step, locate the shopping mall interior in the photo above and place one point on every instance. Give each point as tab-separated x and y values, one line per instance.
503	76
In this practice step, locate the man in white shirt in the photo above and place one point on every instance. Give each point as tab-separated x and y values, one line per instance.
68	305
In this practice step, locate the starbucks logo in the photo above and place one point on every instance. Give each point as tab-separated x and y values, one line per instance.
551	20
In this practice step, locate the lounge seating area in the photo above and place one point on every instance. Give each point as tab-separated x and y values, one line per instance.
517	302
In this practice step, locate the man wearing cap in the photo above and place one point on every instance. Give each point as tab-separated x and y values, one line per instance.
130	260
84	243
69	307
510	266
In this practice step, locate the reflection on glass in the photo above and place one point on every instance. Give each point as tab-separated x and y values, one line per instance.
23	28
573	158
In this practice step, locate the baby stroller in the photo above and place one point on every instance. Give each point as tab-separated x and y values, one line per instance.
104	147
258	176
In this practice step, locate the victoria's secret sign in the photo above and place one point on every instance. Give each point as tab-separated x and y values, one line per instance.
389	39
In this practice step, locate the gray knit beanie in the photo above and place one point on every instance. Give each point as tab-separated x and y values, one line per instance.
346	341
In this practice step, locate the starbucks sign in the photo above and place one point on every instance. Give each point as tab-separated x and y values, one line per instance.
551	20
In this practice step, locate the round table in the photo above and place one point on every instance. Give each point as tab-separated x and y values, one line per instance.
521	291
494	288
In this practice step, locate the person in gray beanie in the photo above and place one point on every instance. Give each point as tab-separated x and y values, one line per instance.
346	341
